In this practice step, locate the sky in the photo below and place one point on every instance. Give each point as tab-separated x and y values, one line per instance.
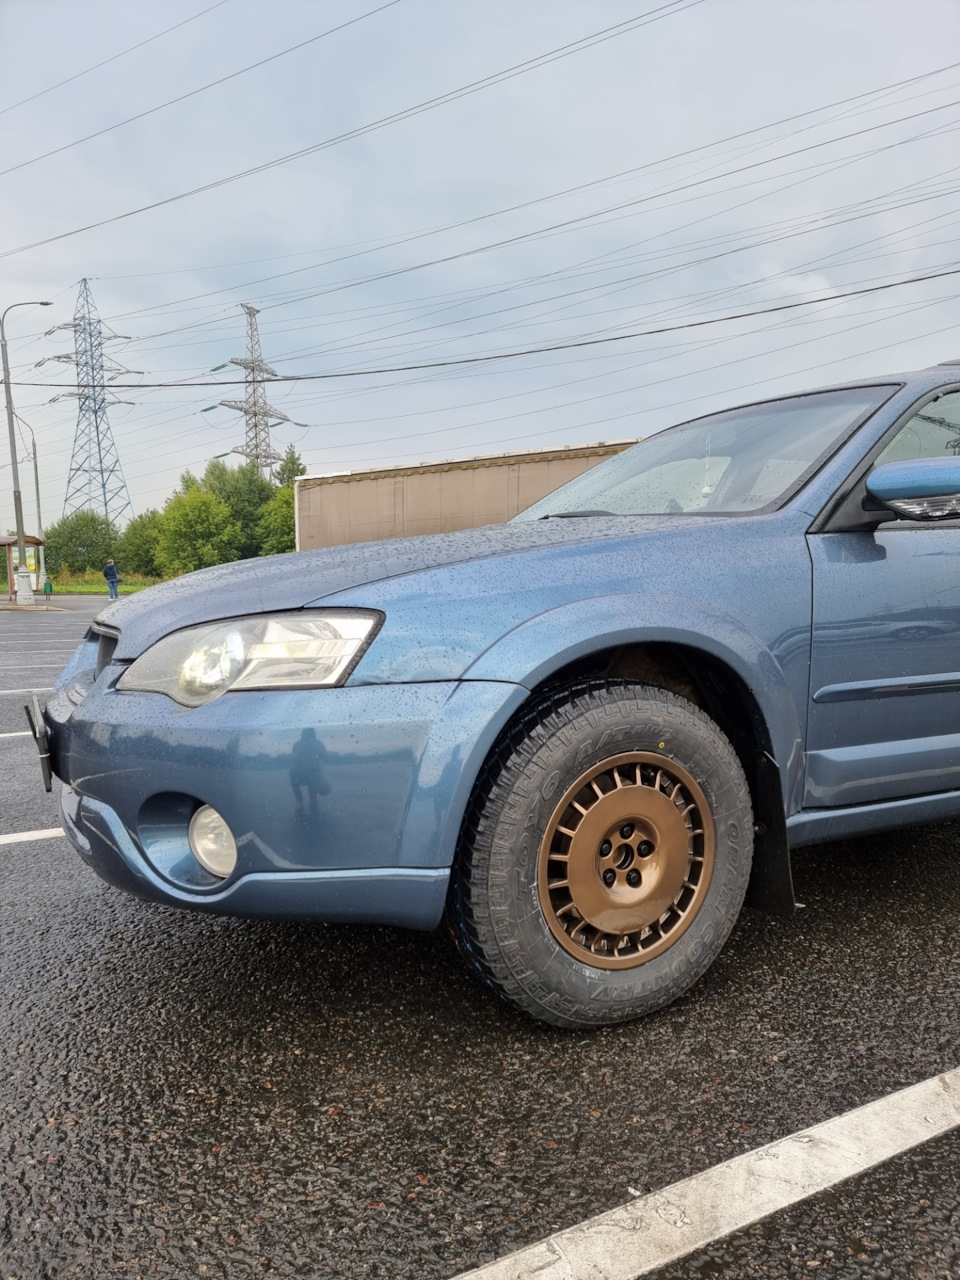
477	178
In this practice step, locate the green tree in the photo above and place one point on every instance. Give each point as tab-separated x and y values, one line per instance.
276	528
136	549
196	530
245	492
292	466
84	540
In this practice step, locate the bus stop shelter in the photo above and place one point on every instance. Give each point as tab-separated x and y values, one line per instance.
9	544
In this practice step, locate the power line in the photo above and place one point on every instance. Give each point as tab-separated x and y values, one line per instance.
523	237
520	68
193	92
605	395
396	242
617	208
653	356
634	413
816	225
543	363
609	178
466	298
657	358
122	54
532	351
672	350
713	293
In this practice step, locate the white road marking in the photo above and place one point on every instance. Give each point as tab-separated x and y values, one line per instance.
46	689
657	1229
18	837
21	733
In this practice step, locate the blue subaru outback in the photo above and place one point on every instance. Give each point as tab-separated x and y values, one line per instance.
586	736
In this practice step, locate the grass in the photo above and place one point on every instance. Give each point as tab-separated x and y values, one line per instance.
93	583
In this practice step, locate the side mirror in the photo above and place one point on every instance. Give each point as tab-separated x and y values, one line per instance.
924	489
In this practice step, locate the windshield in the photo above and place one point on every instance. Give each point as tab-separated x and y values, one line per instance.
743	460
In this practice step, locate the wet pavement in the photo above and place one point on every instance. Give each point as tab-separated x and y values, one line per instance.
901	1220
190	1096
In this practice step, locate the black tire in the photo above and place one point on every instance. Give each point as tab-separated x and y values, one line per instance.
641	750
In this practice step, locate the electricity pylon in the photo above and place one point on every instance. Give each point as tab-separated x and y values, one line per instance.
95	479
256	412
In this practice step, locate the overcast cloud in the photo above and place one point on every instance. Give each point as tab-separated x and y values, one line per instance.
329	246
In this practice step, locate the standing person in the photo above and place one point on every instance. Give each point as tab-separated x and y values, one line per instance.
113	578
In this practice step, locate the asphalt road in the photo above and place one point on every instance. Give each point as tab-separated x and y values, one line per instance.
190	1096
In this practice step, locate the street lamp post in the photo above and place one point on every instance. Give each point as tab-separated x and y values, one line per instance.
36	484
24	587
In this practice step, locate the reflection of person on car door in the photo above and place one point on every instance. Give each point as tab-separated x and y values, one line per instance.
306	769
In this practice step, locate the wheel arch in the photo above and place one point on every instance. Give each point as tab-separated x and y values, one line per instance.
714	684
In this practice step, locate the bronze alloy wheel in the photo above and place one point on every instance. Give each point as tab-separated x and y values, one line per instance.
626	860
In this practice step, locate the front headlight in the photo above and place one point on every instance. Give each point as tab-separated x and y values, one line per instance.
306	650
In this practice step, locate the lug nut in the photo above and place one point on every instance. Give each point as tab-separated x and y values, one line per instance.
644	849
633	878
605	848
626	831
609	877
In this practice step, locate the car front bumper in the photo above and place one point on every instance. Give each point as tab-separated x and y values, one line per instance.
345	804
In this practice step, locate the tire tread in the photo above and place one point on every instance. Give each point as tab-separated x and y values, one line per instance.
470	912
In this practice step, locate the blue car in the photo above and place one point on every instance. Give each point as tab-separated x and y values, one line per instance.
585	736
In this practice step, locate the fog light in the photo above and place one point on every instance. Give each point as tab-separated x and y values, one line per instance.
212	842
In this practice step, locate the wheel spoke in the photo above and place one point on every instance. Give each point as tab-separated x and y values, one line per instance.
604	900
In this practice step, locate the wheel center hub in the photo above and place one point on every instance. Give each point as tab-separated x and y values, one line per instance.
626	860
628	877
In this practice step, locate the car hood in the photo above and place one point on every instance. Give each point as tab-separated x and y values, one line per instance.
273	583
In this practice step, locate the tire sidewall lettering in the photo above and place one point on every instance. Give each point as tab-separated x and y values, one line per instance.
550	787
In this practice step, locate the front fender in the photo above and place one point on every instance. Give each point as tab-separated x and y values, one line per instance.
531	652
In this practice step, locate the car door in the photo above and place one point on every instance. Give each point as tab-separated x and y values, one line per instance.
884	714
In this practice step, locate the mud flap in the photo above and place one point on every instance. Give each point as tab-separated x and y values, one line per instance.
39	733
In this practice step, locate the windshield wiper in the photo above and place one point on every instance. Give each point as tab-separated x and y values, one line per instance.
575	515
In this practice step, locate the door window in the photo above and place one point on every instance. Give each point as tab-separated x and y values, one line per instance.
934	432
